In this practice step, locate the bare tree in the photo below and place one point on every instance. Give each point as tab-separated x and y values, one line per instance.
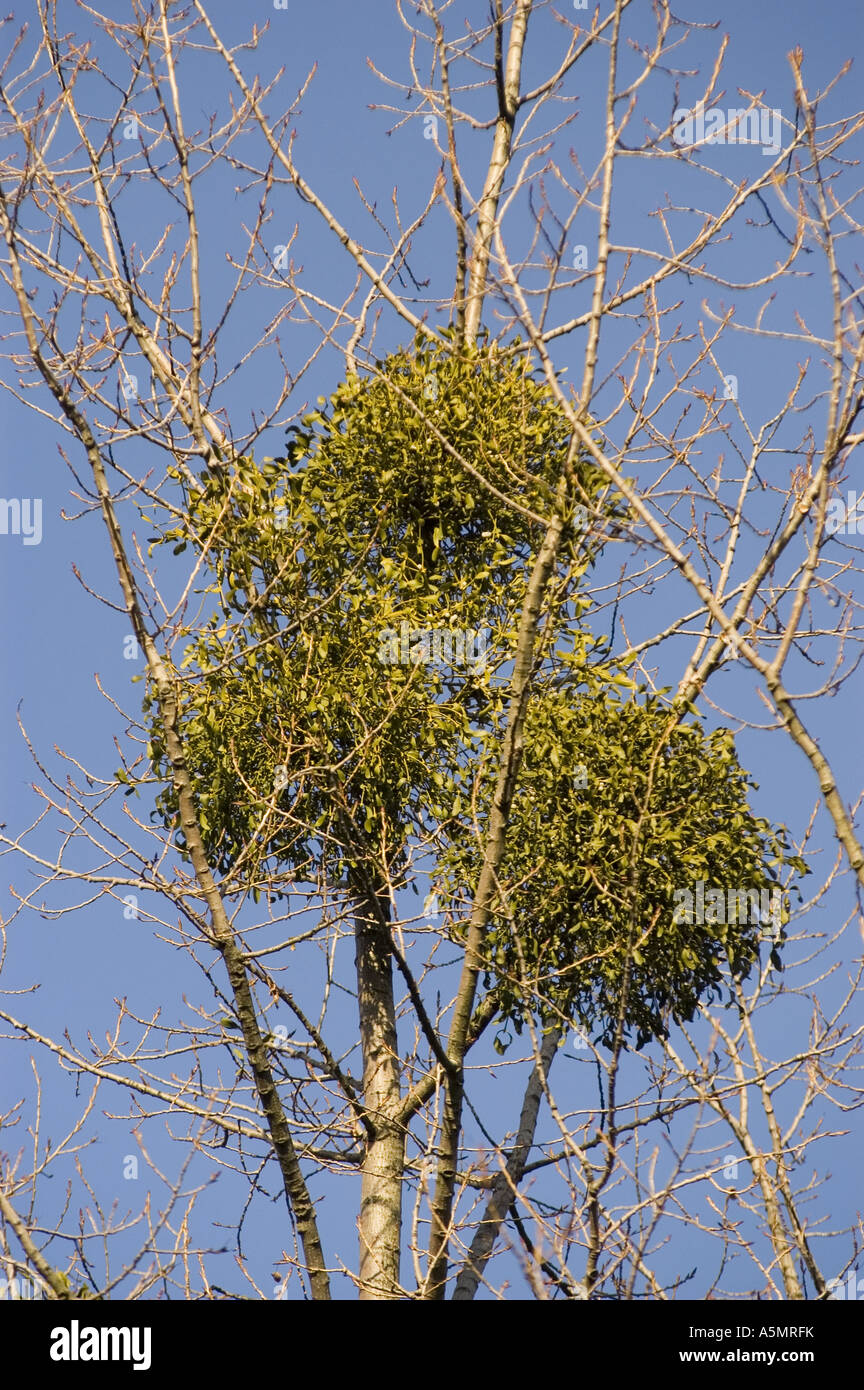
119	331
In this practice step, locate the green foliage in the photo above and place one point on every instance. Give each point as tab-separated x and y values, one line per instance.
617	807
368	523
432	538
310	753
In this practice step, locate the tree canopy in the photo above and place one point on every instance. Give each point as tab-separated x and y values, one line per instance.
409	502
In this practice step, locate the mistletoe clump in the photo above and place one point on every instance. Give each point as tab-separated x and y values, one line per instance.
621	809
410	502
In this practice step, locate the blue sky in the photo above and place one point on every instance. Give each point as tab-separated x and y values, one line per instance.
59	640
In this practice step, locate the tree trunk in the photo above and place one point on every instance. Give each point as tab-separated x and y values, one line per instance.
381	1192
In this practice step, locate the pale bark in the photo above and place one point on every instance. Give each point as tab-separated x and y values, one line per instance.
493	854
380	1221
508	105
